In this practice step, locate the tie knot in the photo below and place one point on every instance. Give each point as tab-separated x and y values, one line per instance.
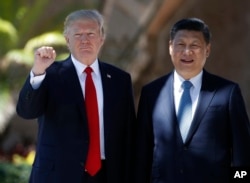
88	70
187	85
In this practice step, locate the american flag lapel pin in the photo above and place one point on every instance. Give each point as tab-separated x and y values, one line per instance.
109	76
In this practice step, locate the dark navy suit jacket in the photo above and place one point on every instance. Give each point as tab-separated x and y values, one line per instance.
219	136
63	137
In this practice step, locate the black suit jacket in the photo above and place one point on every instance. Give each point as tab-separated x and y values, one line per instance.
219	135
63	137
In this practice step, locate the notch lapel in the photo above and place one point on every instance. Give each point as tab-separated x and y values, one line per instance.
108	92
164	114
206	95
70	81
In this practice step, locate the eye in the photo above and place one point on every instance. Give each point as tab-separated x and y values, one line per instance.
77	35
195	46
91	34
180	43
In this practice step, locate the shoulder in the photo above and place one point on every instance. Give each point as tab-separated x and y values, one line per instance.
60	64
152	89
212	82
113	70
217	80
158	82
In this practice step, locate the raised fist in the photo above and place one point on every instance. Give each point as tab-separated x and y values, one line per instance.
44	57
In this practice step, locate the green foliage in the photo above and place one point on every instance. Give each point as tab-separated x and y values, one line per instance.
5	97
20	56
49	39
25	55
9	9
8	35
11	173
20	22
32	16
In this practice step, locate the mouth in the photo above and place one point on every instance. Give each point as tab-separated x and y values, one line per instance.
85	49
186	61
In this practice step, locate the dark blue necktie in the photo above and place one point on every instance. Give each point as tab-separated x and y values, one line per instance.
184	115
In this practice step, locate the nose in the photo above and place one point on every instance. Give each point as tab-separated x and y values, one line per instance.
187	50
84	38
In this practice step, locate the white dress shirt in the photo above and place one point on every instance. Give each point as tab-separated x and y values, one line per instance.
194	90
97	79
96	76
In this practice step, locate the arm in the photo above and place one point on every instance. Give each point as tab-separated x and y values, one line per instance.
130	145
240	129
144	141
32	101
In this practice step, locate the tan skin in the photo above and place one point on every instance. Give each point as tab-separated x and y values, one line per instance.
189	51
84	40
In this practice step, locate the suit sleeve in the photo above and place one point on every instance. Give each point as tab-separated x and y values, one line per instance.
130	132
31	102
144	141
240	129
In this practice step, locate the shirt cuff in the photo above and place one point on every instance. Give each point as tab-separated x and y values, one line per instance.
36	81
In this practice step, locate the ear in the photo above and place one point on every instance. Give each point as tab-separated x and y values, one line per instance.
208	49
66	39
103	37
170	47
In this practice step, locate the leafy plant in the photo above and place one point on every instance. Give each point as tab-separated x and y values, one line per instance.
12	173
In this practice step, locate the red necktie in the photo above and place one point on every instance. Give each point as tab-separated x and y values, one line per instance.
93	162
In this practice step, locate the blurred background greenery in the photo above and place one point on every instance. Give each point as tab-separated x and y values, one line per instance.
137	41
24	26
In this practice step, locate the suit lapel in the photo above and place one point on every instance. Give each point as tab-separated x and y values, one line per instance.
206	95
106	84
108	90
71	84
69	76
164	114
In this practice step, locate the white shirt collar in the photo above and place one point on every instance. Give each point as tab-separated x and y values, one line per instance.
196	81
81	67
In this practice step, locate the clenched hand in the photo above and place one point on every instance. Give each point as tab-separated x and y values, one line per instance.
44	57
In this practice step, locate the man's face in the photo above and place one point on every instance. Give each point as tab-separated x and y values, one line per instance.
84	40
188	51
